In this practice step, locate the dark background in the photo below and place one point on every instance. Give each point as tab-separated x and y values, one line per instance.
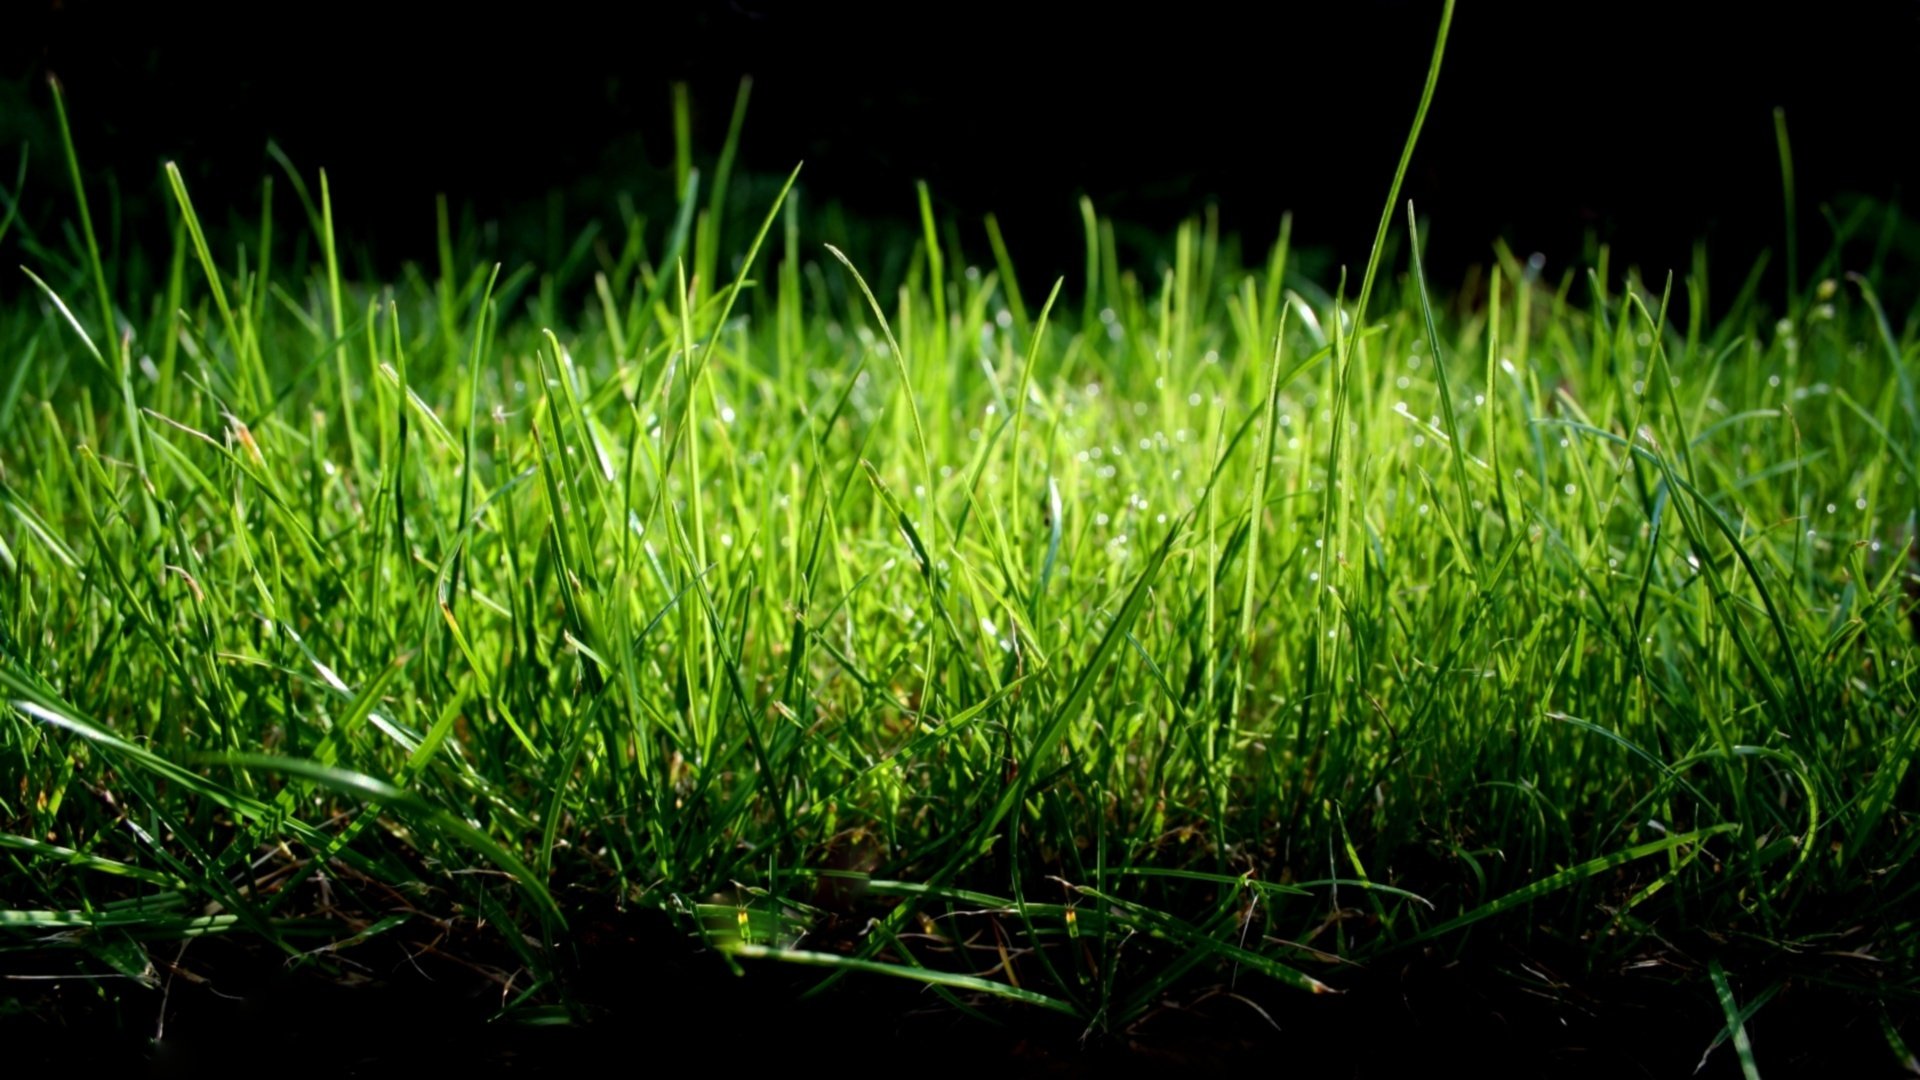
1644	125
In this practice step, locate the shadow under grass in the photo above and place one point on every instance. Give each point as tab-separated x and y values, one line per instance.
648	995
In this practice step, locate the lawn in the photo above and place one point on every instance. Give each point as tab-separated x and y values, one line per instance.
1062	652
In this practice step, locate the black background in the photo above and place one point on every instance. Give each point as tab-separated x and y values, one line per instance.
1645	125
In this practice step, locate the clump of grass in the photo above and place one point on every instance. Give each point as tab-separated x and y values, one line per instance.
1207	622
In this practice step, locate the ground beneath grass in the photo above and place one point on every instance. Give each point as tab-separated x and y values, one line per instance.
650	996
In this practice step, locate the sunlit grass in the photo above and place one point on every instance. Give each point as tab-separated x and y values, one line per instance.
1191	618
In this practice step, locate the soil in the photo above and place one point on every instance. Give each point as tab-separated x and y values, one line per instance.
651	997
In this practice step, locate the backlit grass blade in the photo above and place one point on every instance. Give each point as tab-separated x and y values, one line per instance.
1736	1022
1160	923
1040	747
906	387
29	699
1343	358
1572	875
1003	263
1787	201
1469	521
40	849
930	976
372	789
95	263
66	314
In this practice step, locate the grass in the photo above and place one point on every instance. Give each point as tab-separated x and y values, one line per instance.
1076	650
